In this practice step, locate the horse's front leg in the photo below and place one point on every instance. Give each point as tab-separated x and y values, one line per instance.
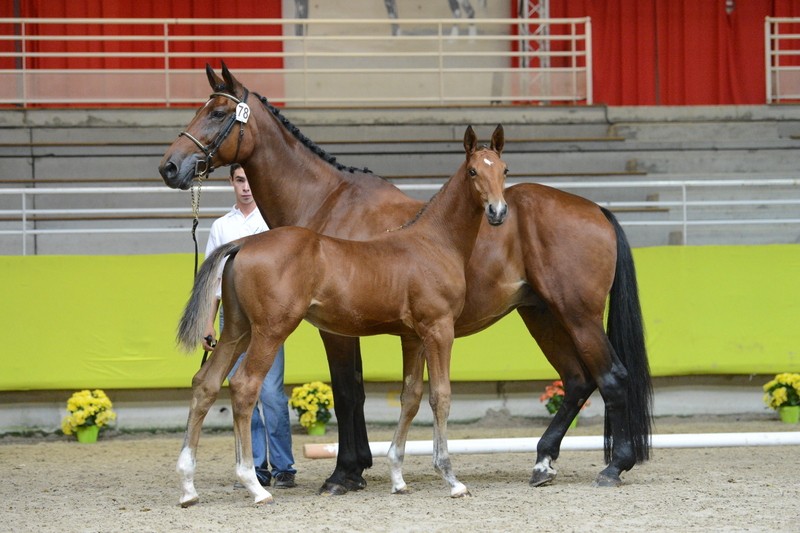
205	388
344	363
438	344
410	398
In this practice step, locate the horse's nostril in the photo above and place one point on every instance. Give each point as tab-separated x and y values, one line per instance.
169	171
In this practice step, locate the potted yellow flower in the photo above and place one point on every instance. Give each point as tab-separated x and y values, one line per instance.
783	394
312	402
88	412
553	397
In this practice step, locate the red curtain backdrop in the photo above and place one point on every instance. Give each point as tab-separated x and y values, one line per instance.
677	52
233	9
645	52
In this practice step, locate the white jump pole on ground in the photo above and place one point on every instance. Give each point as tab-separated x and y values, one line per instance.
512	445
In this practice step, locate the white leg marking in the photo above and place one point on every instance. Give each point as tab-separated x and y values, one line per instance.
186	468
247	475
396	470
546	466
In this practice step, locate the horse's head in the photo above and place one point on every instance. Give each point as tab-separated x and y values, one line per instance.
218	134
488	173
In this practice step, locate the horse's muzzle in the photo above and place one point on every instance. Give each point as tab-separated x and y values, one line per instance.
177	177
496	214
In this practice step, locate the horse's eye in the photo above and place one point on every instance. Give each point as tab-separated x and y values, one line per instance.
505	171
473	172
218	114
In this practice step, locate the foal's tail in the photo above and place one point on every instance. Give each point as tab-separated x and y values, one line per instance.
198	308
626	333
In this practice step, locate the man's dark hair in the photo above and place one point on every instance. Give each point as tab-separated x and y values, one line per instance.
234	167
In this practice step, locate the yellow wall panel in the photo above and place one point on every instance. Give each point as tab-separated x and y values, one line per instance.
109	321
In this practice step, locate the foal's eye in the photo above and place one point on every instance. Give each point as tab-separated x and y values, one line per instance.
473	172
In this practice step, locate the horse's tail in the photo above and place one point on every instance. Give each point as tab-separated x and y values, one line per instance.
626	333
198	309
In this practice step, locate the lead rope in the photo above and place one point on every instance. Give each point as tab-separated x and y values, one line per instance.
196	213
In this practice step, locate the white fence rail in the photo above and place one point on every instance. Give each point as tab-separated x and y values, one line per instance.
687	210
782	61
335	61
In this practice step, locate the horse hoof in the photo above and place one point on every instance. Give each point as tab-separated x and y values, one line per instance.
539	478
404	490
265	501
190	502
465	494
604	480
332	489
355	484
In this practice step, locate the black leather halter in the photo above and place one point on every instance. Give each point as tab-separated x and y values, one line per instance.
204	166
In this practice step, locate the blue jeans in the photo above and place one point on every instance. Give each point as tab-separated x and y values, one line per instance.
270	428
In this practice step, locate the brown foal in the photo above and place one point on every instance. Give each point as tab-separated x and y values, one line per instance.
409	282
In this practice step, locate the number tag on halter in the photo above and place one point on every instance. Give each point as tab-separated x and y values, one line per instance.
242	112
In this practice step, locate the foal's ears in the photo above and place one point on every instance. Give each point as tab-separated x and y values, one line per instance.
217	84
498	139
470	141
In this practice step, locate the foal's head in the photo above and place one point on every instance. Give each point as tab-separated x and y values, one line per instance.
220	133
488	173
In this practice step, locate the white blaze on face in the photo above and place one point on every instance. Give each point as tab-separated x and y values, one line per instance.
488	161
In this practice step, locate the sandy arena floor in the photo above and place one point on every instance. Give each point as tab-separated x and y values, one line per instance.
128	483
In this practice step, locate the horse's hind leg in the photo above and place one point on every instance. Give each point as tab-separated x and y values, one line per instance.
245	385
560	351
410	398
205	388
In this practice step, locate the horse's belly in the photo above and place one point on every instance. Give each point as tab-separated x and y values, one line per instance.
486	304
354	322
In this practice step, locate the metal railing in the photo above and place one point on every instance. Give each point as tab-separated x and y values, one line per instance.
782	59
687	210
335	61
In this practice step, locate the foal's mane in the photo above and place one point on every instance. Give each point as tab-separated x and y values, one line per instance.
308	143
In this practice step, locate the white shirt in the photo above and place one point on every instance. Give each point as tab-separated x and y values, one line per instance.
231	226
234	225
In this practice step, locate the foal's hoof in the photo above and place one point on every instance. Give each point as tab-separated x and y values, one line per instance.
265	501
539	478
190	502
605	480
332	489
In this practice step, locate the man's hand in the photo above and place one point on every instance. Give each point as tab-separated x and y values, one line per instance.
209	342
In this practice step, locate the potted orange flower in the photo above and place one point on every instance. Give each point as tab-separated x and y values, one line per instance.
553	397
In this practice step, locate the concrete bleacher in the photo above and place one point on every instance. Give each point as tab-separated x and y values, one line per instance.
555	145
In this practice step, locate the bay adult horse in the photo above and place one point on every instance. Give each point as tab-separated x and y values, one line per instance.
409	282
556	261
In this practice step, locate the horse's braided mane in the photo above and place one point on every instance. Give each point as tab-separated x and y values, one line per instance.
308	143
